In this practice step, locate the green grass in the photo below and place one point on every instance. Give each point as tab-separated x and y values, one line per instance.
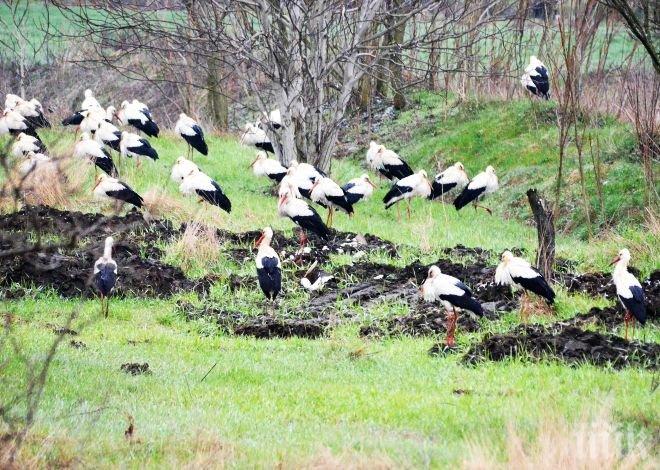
292	402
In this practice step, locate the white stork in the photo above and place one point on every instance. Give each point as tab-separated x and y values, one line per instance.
269	268
14	123
416	184
315	278
105	275
358	188
481	185
629	291
301	213
34	161
182	167
26	143
535	79
91	118
253	135
109	188
452	293
137	114
274	119
108	134
132	145
330	195
453	177
192	133
519	274
387	162
269	167
206	188
92	150
305	170
89	101
31	110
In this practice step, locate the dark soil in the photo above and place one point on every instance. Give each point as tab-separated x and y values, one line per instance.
77	344
135	368
569	344
68	269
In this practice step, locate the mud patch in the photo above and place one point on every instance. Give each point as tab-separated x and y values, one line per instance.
569	344
135	368
77	344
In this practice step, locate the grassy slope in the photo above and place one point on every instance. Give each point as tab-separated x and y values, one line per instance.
285	401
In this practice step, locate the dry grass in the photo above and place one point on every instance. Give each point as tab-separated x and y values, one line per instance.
197	247
588	444
326	460
160	205
207	451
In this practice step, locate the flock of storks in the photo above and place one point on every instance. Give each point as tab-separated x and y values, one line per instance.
296	181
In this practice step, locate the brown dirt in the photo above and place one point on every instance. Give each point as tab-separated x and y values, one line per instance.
135	368
570	344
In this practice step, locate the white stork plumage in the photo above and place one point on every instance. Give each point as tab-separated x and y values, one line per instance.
90	149
33	162
109	188
13	123
132	145
105	275
305	170
269	267
519	274
137	114
358	189
182	167
453	294
315	278
628	290
535	79
91	118
481	185
387	162
269	167
253	135
89	101
25	143
415	185
451	178
301	213
192	133
206	188
274	119
108	134
330	195
31	110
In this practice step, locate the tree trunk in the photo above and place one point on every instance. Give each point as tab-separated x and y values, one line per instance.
545	231
217	102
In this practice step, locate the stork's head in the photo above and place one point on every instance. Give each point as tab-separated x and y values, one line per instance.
460	166
84	136
111	111
265	238
365	177
260	156
373	144
423	174
125	134
533	58
434	271
88	93
37	104
490	170
183	116
623	256
22	136
507	256
124	104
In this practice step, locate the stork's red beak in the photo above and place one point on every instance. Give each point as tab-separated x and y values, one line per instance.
283	198
255	161
372	185
615	260
258	242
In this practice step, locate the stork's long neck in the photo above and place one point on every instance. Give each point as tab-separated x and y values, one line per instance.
265	243
107	251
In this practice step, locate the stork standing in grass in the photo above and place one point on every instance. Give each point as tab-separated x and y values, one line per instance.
92	150
33	162
535	79
387	162
26	143
629	291
416	184
269	167
330	195
14	123
31	110
89	101
105	276
519	274
206	188
306	170
358	189
110	188
451	178
301	213
132	145
192	133
269	268
253	135
137	114
481	185
182	167
108	134
453	294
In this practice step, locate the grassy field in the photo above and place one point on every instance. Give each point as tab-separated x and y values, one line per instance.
344	400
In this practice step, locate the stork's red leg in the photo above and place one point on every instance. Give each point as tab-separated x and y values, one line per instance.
452	317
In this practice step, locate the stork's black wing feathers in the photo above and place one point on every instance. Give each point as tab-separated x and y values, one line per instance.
266	147
438	189
467	196
73	120
395	191
399	171
150	128
216	197
635	304
313	223
538	285
342	202
127	195
197	141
